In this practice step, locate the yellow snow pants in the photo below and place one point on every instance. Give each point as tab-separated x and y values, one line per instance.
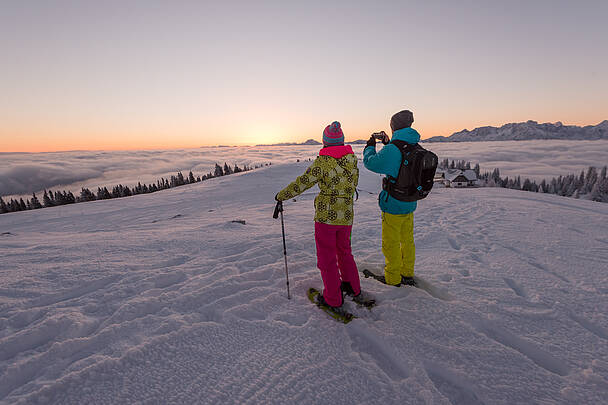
398	246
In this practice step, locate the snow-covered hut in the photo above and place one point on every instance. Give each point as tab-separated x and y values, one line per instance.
460	178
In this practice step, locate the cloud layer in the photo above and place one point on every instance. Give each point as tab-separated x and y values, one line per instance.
25	173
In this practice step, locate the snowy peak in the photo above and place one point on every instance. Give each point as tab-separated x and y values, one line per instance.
603	124
526	131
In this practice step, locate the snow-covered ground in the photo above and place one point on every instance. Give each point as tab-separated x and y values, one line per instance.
162	298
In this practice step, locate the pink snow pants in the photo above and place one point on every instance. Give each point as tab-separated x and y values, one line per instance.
335	260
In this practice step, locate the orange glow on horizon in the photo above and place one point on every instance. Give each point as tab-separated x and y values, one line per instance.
72	140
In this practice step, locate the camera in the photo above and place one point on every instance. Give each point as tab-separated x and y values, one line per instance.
379	135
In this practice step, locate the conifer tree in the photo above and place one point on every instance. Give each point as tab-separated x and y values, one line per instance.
580	183
603	189
35	202
115	192
180	179
57	198
3	206
46	200
596	195
86	195
477	169
590	179
218	171
496	175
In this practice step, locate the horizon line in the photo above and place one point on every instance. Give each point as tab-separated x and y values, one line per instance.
291	143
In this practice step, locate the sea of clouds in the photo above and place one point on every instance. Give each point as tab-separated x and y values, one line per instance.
24	173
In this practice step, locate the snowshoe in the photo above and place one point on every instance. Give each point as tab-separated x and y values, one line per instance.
381	279
338	313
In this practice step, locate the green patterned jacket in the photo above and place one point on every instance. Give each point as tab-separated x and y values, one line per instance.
335	171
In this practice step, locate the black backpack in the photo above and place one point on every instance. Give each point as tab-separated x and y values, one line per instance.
416	172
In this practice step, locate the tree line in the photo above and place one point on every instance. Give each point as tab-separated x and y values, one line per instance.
52	199
591	184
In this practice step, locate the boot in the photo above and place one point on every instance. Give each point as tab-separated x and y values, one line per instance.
409	281
347	289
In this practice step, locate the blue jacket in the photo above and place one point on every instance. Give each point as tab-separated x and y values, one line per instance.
387	161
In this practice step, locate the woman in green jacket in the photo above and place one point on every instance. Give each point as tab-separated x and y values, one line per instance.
335	171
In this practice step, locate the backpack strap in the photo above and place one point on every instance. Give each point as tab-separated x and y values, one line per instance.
403	147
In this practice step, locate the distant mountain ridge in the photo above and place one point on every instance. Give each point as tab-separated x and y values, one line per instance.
307	142
529	130
313	142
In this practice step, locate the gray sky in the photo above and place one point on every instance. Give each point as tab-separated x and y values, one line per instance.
169	74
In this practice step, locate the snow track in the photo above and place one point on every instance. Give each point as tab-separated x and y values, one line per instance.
163	298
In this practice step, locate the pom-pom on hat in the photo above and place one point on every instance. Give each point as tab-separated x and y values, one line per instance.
403	119
333	135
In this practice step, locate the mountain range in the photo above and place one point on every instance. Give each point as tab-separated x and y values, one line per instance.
517	131
522	131
307	142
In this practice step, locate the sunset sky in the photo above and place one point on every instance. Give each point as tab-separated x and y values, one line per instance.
173	74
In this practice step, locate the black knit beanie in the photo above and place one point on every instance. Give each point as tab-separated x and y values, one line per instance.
403	119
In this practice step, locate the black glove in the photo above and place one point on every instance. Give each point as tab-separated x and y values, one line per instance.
371	141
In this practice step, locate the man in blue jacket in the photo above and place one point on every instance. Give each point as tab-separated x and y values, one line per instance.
397	216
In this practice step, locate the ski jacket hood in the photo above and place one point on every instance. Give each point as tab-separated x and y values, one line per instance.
387	161
409	135
336	152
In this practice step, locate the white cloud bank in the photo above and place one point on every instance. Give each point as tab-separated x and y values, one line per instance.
24	173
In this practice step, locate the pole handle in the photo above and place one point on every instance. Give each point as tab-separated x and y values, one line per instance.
278	208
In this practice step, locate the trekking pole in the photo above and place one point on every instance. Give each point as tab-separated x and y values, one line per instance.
279	209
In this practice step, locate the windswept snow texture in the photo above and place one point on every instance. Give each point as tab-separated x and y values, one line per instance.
164	299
